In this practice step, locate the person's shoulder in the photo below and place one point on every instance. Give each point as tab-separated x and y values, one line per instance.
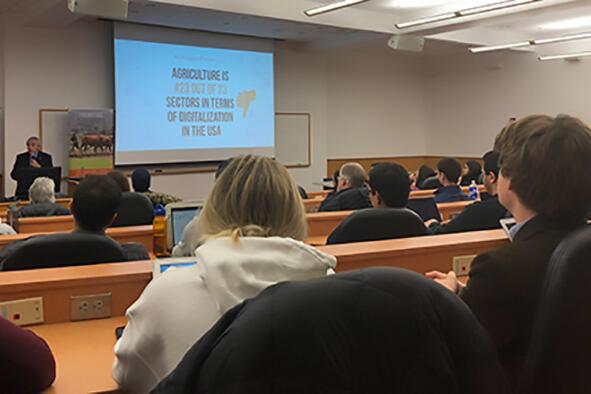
174	285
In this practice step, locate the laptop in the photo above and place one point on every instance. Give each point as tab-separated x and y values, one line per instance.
426	208
160	266
179	215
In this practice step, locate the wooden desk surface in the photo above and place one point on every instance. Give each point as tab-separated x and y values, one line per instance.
83	353
125	281
419	254
140	234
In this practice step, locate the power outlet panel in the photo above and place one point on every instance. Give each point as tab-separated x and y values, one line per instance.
23	312
88	307
462	264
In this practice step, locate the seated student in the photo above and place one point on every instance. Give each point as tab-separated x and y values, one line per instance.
120	180
94	207
26	361
543	162
472	171
389	185
423	174
141	181
6	229
253	223
372	331
449	172
135	209
191	238
41	194
351	192
480	215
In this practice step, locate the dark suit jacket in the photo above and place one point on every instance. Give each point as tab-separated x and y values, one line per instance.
478	216
505	286
23	160
42	209
346	200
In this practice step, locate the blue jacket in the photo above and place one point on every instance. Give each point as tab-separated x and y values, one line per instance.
450	194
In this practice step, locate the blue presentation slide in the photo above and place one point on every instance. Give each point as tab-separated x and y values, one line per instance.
178	97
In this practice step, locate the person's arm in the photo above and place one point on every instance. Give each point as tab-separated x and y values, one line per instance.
14	174
465	221
49	160
26	361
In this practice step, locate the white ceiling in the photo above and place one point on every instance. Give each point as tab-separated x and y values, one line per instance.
367	26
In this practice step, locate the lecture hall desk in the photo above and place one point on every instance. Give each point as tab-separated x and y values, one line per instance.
141	234
84	350
321	224
5	206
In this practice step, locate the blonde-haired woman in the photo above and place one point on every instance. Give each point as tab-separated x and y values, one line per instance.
253	224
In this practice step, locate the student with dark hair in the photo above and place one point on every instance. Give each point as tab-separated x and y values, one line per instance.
141	181
449	171
26	361
471	172
544	162
94	206
95	203
121	180
389	185
423	174
483	215
351	192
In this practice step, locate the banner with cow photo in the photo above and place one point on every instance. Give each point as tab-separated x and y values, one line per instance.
91	141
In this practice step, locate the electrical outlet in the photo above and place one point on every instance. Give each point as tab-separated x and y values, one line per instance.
462	264
87	307
23	312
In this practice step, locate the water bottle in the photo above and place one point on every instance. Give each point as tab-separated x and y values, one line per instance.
473	191
159	230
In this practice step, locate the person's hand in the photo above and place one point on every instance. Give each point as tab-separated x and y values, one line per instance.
431	222
35	164
449	280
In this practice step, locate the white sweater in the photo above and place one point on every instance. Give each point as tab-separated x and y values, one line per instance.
176	309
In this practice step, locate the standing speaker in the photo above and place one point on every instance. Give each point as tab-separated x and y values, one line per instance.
110	9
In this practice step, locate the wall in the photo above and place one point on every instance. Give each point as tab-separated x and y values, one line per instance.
2	104
470	98
300	86
52	68
376	104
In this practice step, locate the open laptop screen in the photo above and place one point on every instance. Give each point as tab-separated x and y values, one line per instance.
426	208
180	219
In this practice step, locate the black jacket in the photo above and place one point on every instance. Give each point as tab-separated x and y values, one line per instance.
374	224
478	216
505	285
371	331
346	200
23	160
42	209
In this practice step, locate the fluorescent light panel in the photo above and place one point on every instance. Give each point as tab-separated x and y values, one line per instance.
499	47
554	40
542	41
337	5
567	56
494	7
466	12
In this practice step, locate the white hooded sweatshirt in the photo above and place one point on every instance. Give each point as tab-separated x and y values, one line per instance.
176	309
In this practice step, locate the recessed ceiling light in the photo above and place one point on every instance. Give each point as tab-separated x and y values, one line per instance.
568	24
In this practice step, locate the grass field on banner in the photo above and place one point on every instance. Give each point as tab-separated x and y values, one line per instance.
90	164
